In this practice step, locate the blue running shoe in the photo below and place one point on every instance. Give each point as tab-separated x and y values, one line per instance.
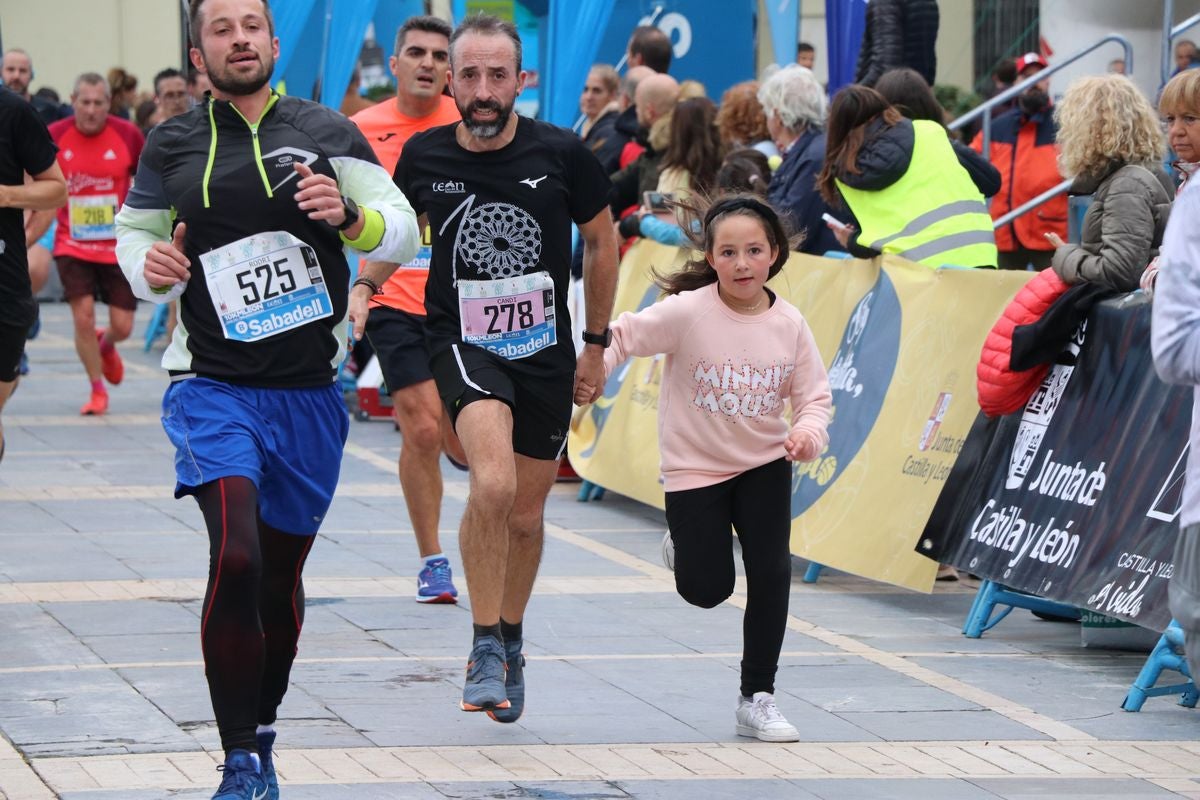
434	584
23	368
243	780
514	684
484	689
266	743
35	328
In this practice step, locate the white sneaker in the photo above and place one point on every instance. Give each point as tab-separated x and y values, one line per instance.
668	551
759	718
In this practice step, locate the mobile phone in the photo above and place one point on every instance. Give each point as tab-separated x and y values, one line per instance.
834	221
656	201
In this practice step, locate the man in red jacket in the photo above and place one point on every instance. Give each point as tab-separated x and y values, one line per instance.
1024	151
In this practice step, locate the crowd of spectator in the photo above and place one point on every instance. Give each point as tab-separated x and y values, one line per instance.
664	139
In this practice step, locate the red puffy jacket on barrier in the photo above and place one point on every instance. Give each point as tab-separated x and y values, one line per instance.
1002	390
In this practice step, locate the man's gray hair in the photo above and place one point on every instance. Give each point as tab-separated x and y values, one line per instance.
92	79
487	25
796	95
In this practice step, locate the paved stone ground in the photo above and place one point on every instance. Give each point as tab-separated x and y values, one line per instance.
631	691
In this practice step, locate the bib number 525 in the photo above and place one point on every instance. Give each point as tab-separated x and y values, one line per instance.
266	280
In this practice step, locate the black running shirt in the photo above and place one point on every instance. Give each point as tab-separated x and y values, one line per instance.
497	215
25	146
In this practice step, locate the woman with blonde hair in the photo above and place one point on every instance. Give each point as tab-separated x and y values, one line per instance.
1111	142
1179	105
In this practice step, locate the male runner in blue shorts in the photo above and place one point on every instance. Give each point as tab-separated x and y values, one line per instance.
240	210
500	193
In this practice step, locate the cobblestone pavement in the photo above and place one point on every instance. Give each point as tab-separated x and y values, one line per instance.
631	691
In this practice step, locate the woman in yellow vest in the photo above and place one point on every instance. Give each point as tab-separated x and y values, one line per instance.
899	187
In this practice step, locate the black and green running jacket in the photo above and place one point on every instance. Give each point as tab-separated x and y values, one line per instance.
233	183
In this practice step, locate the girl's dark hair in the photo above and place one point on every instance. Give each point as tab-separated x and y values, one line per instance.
908	92
746	171
695	145
853	109
698	273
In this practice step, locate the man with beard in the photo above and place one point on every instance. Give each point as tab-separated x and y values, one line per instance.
500	193
240	210
397	325
1024	152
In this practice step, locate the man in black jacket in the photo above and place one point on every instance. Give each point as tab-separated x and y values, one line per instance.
899	33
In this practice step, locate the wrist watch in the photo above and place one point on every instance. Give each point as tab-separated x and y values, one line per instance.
352	213
604	338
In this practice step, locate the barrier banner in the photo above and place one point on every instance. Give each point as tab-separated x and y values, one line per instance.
901	342
1077	498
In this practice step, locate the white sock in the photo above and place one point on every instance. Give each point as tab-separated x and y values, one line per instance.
264	729
427	559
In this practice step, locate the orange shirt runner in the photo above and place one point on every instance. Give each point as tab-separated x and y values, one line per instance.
387	130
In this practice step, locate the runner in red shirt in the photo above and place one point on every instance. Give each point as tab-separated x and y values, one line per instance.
396	327
98	154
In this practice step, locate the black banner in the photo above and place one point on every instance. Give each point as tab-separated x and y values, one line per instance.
1077	498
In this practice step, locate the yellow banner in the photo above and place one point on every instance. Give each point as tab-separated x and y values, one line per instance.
901	343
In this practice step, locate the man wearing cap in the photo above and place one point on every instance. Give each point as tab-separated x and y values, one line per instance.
1023	150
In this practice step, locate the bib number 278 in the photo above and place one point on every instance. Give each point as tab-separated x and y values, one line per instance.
501	316
265	281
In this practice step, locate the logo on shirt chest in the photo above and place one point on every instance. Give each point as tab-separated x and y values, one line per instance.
449	187
281	164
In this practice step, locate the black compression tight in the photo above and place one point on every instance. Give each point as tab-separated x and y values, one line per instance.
756	504
253	609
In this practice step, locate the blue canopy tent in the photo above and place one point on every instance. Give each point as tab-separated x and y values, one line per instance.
573	36
784	18
312	46
845	23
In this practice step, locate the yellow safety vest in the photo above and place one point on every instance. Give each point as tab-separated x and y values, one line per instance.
933	215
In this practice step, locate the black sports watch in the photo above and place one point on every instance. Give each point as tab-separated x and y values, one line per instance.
604	338
352	213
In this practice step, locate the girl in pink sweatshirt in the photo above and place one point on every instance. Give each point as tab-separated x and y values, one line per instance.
735	353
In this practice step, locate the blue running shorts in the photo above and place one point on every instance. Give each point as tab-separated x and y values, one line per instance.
288	441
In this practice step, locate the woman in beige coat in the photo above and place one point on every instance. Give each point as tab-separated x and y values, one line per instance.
1112	142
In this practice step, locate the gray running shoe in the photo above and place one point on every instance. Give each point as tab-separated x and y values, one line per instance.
668	551
514	684
484	689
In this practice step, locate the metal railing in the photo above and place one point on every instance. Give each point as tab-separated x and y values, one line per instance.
1170	31
985	110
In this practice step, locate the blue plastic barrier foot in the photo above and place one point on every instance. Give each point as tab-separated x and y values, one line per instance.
157	326
1167	654
590	491
992	595
813	572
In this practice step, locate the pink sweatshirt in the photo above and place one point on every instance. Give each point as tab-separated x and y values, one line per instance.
725	378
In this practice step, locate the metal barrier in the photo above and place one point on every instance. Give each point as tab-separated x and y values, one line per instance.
984	110
1170	31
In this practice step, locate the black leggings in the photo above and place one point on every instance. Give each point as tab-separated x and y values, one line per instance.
757	504
253	609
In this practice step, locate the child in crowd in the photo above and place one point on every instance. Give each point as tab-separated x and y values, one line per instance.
735	351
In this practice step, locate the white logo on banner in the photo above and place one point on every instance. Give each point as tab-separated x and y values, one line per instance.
1169	500
673	23
1038	413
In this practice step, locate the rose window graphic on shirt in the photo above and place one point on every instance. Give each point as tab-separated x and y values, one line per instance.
499	240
